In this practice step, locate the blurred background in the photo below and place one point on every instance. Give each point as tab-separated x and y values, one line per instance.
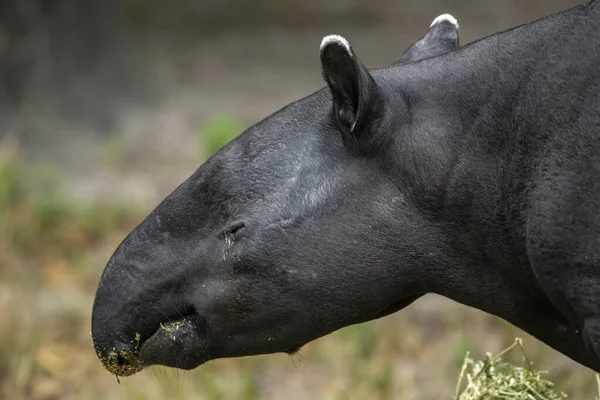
107	105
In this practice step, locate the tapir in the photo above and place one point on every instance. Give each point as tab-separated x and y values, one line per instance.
470	172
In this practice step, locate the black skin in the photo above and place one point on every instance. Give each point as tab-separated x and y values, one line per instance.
474	174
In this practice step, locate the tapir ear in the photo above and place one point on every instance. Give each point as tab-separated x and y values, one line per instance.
442	37
353	88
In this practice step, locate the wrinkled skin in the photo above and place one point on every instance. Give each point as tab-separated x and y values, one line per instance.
353	202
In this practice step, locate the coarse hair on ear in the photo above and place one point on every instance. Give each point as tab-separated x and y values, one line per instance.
353	89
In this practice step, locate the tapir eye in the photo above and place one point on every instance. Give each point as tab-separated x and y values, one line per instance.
234	229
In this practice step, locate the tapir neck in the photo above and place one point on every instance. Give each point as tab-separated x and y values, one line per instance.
464	154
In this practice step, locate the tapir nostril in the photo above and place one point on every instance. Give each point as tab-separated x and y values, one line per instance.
121	360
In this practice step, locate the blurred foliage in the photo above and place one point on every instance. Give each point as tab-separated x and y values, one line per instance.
46	242
216	132
114	150
41	223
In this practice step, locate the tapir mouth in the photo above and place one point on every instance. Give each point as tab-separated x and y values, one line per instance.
174	344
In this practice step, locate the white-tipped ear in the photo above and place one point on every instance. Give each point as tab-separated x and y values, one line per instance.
442	37
445	17
338	40
352	87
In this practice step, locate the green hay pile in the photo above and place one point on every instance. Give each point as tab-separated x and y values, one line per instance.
494	379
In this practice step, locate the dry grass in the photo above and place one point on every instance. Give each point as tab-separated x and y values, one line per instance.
494	379
52	254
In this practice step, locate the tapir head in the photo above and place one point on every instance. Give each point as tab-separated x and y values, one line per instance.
293	230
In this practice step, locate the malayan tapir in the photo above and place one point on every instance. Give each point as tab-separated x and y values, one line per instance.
471	172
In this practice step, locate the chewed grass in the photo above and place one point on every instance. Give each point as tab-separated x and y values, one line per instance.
494	379
122	362
172	327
